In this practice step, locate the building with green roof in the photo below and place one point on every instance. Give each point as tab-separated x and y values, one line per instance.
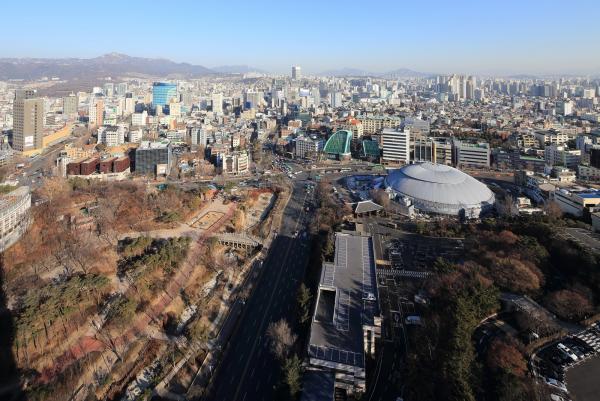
370	149
338	145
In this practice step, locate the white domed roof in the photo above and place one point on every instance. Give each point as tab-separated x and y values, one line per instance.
439	184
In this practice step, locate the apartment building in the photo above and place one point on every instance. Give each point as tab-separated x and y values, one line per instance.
375	124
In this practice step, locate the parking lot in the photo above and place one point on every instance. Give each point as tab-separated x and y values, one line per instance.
584	238
414	252
570	367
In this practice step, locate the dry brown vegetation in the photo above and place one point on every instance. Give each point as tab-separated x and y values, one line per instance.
61	273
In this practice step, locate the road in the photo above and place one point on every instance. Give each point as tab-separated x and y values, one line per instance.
248	369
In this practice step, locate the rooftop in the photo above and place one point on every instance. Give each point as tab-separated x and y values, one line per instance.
370	148
347	300
318	385
153	145
339	143
367	207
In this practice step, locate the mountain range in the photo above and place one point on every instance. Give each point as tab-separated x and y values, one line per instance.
237	69
354	72
109	65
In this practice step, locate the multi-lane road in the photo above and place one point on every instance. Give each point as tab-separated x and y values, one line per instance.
248	370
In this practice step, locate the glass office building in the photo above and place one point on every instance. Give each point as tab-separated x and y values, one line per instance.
163	92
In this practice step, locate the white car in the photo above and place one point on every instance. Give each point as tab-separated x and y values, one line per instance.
556	384
567	351
556	397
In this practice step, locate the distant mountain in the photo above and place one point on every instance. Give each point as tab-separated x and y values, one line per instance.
112	64
404	73
355	72
522	76
237	69
347	72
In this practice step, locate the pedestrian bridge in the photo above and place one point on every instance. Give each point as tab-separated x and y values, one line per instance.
236	240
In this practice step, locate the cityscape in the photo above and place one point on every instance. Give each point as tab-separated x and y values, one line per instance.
306	210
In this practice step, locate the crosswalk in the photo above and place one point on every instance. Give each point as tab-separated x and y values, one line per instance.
386	272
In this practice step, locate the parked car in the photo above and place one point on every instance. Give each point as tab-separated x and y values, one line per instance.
556	384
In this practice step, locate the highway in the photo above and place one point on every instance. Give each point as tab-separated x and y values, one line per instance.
248	370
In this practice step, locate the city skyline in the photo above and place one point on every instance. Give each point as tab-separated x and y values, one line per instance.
500	38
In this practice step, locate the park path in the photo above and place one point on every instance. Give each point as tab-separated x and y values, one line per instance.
89	343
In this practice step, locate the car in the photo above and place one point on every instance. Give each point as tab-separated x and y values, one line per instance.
567	351
556	384
413	320
556	397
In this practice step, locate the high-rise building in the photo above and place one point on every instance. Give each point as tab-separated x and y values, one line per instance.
96	111
296	72
253	99
70	104
121	89
217	102
335	99
163	93
109	89
198	135
28	121
396	146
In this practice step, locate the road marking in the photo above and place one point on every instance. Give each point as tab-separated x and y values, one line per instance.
265	315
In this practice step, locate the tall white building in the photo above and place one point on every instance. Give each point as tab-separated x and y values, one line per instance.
199	136
565	107
396	146
335	99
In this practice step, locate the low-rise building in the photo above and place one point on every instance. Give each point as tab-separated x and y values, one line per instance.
588	173
576	201
111	135
562	156
473	154
346	321
376	123
307	147
154	158
235	163
14	216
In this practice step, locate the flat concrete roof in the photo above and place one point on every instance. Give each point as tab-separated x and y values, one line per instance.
347	300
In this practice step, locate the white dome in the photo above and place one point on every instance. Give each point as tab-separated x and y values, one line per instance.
438	188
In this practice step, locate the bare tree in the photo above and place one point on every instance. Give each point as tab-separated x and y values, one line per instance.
103	335
381	197
281	337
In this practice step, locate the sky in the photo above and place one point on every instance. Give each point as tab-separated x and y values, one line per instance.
452	36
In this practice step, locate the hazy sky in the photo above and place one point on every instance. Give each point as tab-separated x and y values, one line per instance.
485	36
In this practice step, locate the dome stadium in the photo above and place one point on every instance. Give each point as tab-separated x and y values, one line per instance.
440	189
